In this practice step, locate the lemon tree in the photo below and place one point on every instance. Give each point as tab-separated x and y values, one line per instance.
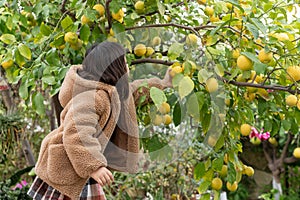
234	67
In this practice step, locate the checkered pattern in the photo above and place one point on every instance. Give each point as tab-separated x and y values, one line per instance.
40	190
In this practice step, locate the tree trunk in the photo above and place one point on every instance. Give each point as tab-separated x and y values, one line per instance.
277	186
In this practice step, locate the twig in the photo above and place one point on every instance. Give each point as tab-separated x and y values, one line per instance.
285	148
164	25
108	16
149	60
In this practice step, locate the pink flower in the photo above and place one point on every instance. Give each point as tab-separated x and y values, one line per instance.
20	185
261	135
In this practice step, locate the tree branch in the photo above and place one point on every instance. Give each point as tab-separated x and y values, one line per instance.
108	16
149	60
271	87
285	148
268	157
290	160
164	25
63	6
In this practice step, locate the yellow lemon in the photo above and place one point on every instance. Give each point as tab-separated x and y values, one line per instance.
158	120
212	85
139	6
149	51
201	1
216	184
164	108
291	100
156	41
191	39
100	9
244	63
265	57
7	64
249	171
232	187
118	16
167	119
77	46
175	70
209	11
71	37
223	171
236	53
140	50
293	73
296	152
85	20
245	129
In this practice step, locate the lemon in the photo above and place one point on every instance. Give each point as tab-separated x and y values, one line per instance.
212	85
293	73
149	51
232	187
77	46
273	141
164	108
249	96
236	53
245	129
223	171
298	105
216	184
100	9
7	64
111	32
282	36
85	20
175	70
211	141
201	1
296	152
191	39
229	6
251	89
156	41
71	38
265	57
209	11
214	19
139	6
244	63
140	50
249	171
167	119
291	100
158	120
118	16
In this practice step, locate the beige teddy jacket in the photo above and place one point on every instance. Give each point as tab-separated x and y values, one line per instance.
88	137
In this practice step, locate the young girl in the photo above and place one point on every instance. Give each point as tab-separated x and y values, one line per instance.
98	130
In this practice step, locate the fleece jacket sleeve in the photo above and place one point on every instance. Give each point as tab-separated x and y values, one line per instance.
80	125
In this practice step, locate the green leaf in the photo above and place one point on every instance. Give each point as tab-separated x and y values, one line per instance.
50	80
259	25
231	177
177	114
38	103
204	186
205	196
118	28
203	75
8	38
85	33
158	96
251	56
186	86
260	68
67	23
217	164
199	171
175	50
23	89
45	30
161	8
253	30
286	125
24	51
19	58
176	80
194	104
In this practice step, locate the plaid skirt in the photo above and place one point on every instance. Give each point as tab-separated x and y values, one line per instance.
40	190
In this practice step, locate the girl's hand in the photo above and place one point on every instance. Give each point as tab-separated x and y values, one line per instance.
103	176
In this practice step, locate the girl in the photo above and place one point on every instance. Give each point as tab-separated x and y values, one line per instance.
98	130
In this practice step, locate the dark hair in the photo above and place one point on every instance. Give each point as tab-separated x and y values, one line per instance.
105	62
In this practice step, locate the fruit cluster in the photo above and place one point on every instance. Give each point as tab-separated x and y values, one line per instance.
162	116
